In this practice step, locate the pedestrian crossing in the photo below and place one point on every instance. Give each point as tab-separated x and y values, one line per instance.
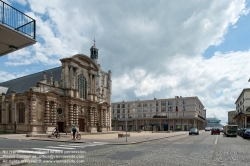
61	147
37	153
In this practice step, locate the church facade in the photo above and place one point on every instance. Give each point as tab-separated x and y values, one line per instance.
76	93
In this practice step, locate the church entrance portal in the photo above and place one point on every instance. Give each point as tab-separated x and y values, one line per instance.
81	124
60	126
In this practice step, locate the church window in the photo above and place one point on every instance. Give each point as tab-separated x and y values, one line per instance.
21	113
82	86
59	111
9	111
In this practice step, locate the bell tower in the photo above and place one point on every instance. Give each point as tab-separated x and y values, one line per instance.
94	53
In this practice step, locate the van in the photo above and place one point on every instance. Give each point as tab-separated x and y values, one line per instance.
230	130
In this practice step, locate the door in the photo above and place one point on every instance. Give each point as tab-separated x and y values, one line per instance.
81	124
60	126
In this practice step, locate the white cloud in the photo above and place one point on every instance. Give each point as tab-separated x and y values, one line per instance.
152	48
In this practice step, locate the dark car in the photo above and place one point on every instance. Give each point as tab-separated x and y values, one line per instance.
215	131
246	134
242	131
193	131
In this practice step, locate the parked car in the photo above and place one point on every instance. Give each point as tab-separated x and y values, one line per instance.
215	130
207	128
193	131
246	134
242	131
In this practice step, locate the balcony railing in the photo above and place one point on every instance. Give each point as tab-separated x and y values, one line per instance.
16	20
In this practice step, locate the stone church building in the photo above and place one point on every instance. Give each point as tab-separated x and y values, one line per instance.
76	93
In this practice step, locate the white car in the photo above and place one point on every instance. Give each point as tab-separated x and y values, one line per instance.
207	128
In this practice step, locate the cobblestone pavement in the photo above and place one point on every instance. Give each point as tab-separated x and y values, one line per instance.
184	150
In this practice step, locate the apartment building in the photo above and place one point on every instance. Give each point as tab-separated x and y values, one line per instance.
242	116
179	113
231	119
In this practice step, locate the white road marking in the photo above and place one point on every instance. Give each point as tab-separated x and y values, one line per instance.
74	146
100	143
216	140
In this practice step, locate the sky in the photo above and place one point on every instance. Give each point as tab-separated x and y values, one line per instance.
154	48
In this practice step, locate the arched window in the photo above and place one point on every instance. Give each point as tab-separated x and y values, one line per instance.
82	86
9	112
21	113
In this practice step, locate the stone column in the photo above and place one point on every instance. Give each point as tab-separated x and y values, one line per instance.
71	114
13	111
71	77
32	110
76	78
90	116
4	114
47	118
90	83
76	115
66	75
55	113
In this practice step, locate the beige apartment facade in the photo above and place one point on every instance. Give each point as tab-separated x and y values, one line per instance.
178	114
231	119
242	103
76	93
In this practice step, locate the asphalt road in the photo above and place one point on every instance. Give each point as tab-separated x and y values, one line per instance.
204	149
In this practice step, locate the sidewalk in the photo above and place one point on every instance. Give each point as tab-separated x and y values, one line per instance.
108	138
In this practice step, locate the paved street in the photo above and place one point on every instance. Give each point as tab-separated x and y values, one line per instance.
204	149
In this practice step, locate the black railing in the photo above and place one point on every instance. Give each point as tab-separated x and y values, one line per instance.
17	20
201	117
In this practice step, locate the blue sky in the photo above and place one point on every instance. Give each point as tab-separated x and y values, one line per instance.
154	48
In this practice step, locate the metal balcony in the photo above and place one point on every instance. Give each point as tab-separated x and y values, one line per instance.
17	30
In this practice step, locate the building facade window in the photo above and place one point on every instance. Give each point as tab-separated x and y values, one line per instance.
163	109
21	113
123	105
118	105
163	103
82	86
118	111
9	112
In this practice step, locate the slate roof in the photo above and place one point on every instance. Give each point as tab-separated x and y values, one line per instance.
22	84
